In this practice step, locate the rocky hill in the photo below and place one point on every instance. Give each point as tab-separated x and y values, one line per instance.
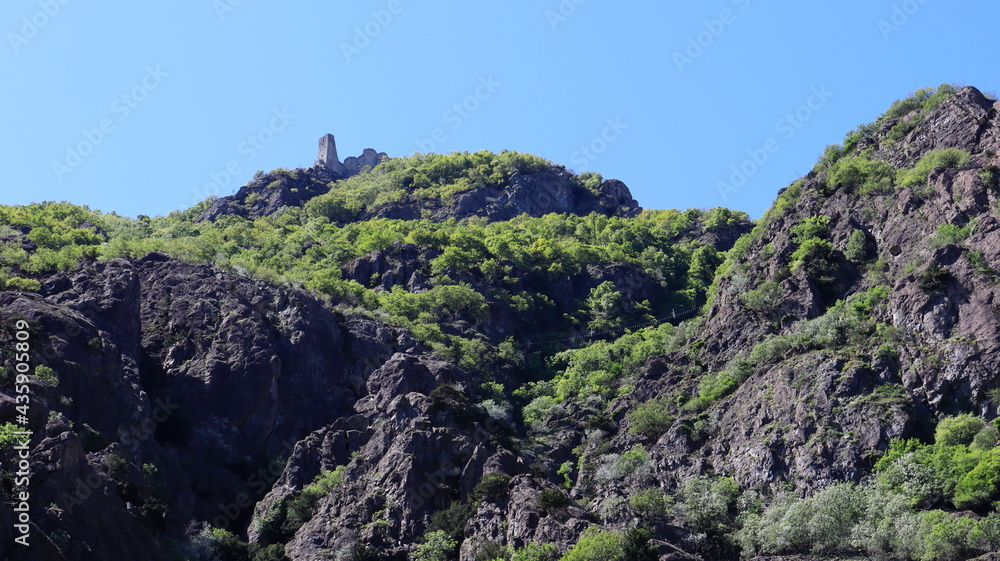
483	356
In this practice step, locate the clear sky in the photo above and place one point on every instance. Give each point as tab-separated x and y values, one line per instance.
147	107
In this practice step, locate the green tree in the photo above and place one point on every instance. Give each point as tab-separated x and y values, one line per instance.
536	552
595	545
605	306
960	429
436	546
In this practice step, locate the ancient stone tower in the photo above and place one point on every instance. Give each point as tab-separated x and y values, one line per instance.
328	155
351	166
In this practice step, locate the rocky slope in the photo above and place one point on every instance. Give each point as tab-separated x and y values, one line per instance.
186	394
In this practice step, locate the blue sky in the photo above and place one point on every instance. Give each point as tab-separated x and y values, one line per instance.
147	107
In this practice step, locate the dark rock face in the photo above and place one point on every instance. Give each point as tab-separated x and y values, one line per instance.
822	418
186	393
206	373
553	190
271	192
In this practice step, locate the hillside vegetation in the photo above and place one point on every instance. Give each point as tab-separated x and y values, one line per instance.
487	357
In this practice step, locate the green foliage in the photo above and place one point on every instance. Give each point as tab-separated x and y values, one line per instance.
831	154
635	545
705	262
650	503
536	552
452	520
493	551
958	430
8	440
951	234
812	227
632	460
651	419
294	510
492	487
981	486
938	159
705	503
552	499
18	283
46	374
595	545
933	277
606	306
599	368
763	299
858	174
898	447
923	100
857	247
566	470
986	438
436	546
817	257
721	218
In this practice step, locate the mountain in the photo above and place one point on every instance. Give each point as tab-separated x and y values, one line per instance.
486	356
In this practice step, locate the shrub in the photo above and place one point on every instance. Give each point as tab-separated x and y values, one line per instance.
492	551
945	538
857	247
595	545
858	174
8	438
536	552
635	545
960	429
492	487
704	503
46	374
539	408
938	159
633	460
650	503
650	419
812	227
551	499
979	487
20	283
817	257
912	478
986	438
436	546
451	520
950	233
764	299
933	277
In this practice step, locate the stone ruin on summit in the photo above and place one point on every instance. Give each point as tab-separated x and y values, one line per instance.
351	166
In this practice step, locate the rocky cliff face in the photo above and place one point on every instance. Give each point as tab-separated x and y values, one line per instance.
551	190
185	394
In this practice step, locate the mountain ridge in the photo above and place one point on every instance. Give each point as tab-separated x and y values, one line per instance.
345	371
